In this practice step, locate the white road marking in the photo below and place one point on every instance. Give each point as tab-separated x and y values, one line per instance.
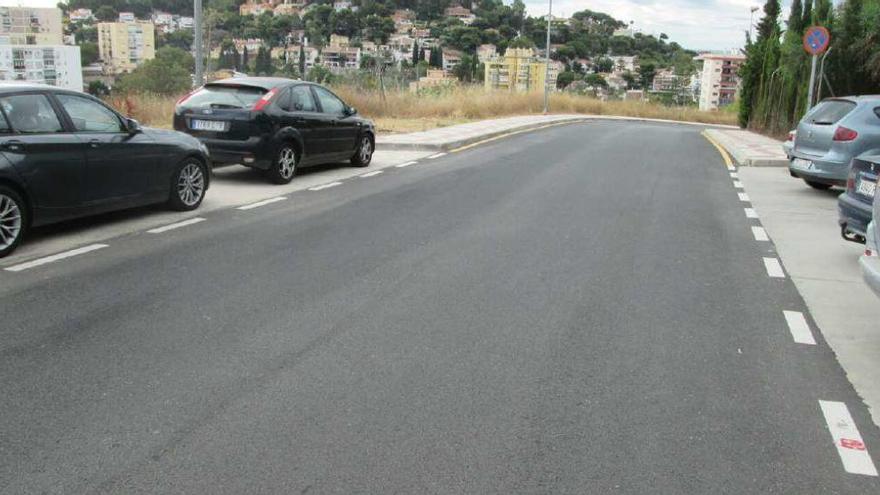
177	225
847	439
798	327
325	186
407	164
734	175
55	257
371	174
262	203
744	197
751	213
774	269
737	184
438	155
760	234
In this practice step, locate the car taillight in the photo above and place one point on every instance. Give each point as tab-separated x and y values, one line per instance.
186	96
790	137
845	134
262	102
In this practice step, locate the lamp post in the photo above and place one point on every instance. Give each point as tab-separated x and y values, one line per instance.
197	42
547	69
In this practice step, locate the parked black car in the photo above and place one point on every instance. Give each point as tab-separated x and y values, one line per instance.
276	125
855	206
65	154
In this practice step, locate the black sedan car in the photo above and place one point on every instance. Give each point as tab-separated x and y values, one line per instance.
65	154
276	125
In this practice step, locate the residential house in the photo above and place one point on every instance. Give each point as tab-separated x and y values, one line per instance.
519	70
451	58
127	17
123	46
30	26
435	78
81	15
719	80
460	13
486	52
55	65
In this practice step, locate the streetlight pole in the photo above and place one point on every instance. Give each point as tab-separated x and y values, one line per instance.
547	69
197	41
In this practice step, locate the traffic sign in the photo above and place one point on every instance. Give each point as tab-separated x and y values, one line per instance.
816	40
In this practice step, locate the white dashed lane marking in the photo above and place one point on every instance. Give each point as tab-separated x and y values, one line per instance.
371	174
737	184
438	155
751	213
262	203
734	175
325	186
774	269
744	197
847	439
55	257
760	234
800	330
407	164
166	228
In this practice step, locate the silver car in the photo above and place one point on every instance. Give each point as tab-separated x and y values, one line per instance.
830	135
871	260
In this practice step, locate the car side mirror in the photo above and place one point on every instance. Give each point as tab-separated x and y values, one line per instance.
133	126
349	111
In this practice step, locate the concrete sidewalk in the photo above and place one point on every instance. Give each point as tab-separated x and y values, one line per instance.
750	149
447	138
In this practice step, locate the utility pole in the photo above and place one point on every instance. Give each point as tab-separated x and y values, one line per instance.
547	69
197	42
812	73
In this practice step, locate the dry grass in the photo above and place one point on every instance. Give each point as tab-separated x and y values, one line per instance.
402	111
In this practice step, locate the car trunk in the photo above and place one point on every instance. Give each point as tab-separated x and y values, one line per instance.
862	183
815	134
219	112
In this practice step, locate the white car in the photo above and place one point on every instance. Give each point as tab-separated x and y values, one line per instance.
871	260
789	143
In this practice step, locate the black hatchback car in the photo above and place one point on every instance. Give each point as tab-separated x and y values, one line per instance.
66	154
274	124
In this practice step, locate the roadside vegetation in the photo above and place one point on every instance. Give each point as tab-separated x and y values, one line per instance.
404	111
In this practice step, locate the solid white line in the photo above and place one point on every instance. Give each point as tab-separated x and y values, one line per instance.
261	203
847	439
760	234
774	269
744	197
55	257
407	164
177	225
372	174
438	155
798	327
325	186
737	184
751	213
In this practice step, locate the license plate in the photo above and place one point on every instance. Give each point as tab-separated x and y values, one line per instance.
801	163
867	188
208	125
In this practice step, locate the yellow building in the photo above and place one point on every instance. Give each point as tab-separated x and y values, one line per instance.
518	70
123	46
30	26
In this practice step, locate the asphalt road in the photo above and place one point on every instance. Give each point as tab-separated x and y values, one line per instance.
582	309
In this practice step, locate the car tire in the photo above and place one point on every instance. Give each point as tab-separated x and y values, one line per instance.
188	185
284	166
364	153
818	185
13	220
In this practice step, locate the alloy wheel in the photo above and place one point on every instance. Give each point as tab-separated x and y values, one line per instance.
10	221
191	184
287	162
366	150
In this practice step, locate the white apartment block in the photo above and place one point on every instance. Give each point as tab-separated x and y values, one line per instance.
719	80
58	65
30	26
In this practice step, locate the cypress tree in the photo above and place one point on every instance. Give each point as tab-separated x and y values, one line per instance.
302	62
245	59
415	53
796	17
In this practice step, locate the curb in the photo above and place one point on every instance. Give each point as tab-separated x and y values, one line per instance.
382	143
742	157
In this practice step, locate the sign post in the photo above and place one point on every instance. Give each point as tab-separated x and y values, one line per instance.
816	41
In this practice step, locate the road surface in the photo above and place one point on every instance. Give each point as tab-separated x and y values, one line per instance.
580	309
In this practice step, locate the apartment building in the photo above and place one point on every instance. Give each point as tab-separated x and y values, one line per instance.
719	80
123	46
519	70
56	65
30	26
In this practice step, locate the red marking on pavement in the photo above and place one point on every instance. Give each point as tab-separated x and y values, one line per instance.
849	443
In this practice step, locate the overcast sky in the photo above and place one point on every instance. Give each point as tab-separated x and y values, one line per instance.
695	24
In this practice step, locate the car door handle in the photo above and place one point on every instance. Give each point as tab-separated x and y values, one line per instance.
94	143
13	145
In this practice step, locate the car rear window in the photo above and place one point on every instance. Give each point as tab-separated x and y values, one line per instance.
217	96
830	112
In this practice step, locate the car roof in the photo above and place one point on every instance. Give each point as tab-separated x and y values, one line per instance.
266	83
856	98
7	87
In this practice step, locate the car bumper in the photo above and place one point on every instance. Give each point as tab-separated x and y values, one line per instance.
253	152
819	170
871	272
854	216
